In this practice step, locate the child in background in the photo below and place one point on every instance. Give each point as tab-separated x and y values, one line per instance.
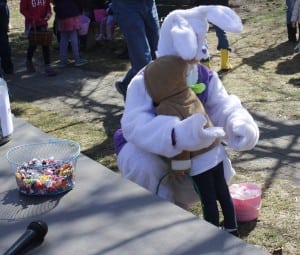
37	14
68	22
105	18
296	19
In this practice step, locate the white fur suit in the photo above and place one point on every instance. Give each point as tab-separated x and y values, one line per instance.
143	159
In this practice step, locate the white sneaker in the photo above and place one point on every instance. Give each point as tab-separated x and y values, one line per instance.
80	62
100	37
297	48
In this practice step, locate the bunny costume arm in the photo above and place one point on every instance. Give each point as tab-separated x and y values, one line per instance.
226	111
183	34
153	133
140	124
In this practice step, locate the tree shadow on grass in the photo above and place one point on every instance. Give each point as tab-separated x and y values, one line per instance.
274	53
245	228
295	82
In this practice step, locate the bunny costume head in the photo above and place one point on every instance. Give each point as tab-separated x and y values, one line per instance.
183	31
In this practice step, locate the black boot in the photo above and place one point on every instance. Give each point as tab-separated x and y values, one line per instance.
292	31
234	233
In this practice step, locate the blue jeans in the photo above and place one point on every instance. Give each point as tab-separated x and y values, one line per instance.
139	23
65	38
222	39
289	10
211	186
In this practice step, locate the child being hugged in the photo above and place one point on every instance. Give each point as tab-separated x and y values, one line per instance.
68	22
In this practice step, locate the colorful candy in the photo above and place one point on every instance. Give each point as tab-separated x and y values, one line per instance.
45	177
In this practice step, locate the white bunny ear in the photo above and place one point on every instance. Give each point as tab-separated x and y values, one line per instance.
183	31
223	17
184	39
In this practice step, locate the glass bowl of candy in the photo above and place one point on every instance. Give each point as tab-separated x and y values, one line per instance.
45	168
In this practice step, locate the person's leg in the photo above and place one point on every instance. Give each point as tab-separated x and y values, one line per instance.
205	187
292	31
102	28
110	27
30	52
223	46
63	47
223	42
224	198
55	30
73	38
49	71
133	28
152	27
5	54
46	55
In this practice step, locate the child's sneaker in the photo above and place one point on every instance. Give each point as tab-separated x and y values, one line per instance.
100	37
49	71
109	38
29	67
80	62
61	64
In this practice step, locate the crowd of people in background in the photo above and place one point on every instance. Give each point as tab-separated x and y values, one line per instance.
67	14
138	21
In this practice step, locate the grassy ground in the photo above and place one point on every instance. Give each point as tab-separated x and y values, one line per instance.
265	79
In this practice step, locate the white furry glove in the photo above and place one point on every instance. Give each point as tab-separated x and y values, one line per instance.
242	135
191	135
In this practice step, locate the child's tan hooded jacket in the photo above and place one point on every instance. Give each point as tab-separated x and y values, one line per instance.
165	81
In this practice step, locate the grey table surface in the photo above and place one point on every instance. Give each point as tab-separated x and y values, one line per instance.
104	214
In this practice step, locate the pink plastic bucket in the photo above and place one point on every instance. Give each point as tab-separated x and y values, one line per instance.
84	25
100	14
247	200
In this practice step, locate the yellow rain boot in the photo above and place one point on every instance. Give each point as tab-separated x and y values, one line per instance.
206	62
225	65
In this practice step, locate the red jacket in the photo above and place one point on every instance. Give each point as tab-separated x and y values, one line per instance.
36	12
